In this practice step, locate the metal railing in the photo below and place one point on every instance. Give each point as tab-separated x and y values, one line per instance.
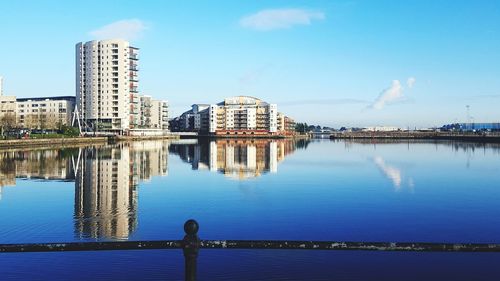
191	244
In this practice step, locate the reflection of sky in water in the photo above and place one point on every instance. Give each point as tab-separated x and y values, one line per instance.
320	190
118	191
393	173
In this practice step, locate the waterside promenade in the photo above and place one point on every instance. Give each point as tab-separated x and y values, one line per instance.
72	141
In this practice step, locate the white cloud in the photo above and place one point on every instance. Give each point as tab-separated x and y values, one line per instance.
280	18
411	82
130	29
394	93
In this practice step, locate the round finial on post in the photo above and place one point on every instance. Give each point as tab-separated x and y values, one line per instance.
191	227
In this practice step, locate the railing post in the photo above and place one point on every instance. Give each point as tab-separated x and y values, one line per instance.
190	247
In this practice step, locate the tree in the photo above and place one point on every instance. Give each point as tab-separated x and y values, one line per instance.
301	127
51	121
31	121
7	122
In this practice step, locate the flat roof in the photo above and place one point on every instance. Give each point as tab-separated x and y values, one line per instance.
47	98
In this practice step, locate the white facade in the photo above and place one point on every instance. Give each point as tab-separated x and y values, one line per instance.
8	107
212	123
159	115
381	129
45	112
106	84
273	118
243	115
1	86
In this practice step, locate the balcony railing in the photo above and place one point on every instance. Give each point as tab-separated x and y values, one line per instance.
191	245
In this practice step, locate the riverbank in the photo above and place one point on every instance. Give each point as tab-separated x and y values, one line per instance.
474	137
52	142
72	141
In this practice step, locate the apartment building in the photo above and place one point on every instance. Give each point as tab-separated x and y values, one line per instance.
107	85
243	115
44	112
194	120
159	115
240	115
7	108
286	125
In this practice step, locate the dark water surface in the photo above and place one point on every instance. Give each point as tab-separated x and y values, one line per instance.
241	189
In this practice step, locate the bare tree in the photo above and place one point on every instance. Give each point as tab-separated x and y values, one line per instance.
32	121
51	121
7	122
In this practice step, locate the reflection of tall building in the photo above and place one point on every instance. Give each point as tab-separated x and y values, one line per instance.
105	196
240	159
106	186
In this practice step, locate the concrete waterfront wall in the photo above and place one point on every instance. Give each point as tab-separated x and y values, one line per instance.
52	142
131	138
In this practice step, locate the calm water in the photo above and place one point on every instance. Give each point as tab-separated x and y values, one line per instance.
305	190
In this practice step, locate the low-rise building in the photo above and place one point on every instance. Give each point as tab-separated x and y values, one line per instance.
45	112
7	109
286	125
243	115
240	115
381	129
194	120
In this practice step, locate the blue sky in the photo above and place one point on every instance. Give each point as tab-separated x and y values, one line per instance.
405	63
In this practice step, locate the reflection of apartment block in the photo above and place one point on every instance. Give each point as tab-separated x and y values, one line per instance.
149	159
105	196
242	160
7	169
35	164
235	158
45	112
44	164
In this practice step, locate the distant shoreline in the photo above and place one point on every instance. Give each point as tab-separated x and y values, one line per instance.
491	138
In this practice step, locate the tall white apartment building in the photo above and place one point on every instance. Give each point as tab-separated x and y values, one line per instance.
107	85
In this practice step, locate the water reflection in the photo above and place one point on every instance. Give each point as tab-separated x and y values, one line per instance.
37	164
457	146
236	158
393	173
106	186
107	176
